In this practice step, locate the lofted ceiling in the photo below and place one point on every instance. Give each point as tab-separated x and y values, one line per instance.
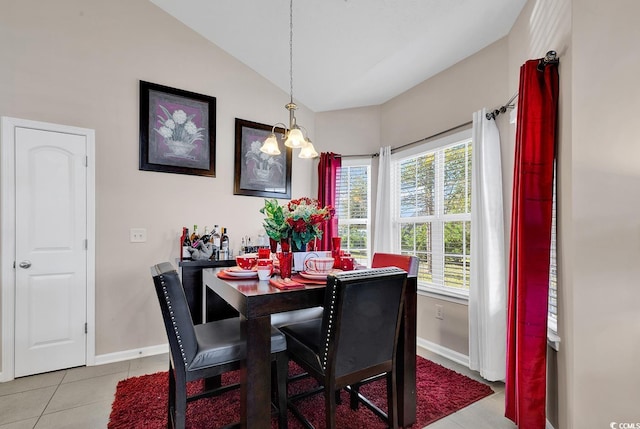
348	53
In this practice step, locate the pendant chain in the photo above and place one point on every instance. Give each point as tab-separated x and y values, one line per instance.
291	49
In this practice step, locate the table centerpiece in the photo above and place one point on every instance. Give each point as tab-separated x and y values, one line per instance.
296	225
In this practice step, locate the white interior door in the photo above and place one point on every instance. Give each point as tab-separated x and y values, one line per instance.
51	250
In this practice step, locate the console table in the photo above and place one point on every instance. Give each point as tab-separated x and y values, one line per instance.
216	307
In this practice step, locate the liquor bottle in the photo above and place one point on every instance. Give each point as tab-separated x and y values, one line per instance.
243	248
194	235
206	237
224	245
215	239
186	243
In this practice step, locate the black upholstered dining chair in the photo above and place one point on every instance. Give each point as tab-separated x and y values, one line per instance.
410	264
205	350
355	339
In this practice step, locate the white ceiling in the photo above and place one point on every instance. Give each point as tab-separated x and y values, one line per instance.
348	53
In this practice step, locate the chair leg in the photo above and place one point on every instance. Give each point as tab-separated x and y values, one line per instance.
180	403
353	396
330	406
392	400
171	403
212	383
282	369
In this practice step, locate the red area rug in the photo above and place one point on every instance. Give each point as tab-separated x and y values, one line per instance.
141	402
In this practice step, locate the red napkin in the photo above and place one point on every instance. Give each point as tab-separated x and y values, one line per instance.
285	284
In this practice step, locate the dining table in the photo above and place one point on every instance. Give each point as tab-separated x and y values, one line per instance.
256	300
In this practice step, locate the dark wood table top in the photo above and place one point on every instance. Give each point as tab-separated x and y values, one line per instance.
256	298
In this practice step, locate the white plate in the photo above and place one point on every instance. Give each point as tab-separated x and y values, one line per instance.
242	273
314	275
237	269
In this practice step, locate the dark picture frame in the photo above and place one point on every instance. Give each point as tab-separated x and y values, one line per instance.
258	174
177	131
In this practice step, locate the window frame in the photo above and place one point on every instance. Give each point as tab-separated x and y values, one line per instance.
359	162
457	295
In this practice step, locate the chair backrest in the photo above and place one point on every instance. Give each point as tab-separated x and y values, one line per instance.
361	320
408	263
175	314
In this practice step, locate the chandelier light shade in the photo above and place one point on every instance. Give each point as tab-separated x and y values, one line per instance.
270	145
294	138
308	151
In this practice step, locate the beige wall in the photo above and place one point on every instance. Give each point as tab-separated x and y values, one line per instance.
78	62
603	319
353	132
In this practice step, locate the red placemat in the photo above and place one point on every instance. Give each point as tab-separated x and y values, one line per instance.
285	284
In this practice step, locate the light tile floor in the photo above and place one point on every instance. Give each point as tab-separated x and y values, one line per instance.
81	398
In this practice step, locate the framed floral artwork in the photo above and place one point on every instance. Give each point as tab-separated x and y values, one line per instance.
177	131
256	173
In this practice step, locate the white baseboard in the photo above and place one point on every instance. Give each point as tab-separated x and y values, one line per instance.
443	351
548	425
131	354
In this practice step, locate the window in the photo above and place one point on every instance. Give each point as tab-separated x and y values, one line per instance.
353	208
432	213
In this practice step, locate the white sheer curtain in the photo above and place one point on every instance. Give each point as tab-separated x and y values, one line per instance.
487	293
382	240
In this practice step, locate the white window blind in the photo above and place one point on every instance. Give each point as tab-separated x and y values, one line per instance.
432	193
553	266
353	208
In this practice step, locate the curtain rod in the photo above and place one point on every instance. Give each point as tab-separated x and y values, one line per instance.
551	57
502	109
395	149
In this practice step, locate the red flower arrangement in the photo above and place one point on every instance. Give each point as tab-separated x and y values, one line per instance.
305	216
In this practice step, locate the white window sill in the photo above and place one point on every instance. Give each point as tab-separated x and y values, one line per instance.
444	294
553	339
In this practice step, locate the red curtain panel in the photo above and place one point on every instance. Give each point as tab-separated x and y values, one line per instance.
525	390
327	189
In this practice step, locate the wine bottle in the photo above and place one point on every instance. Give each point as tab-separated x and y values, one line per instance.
215	239
186	243
181	245
194	235
206	236
224	244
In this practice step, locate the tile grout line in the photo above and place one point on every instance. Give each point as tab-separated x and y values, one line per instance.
49	401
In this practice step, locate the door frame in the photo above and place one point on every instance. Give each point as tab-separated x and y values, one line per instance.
8	236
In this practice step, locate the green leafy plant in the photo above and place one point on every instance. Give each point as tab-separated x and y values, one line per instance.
275	223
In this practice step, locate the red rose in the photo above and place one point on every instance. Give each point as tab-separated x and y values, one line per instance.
317	218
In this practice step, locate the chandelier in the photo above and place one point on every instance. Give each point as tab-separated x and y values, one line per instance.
294	137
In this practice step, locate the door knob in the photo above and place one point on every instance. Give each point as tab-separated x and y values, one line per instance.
25	264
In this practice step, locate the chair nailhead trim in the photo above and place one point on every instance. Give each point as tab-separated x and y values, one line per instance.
173	319
334	290
332	310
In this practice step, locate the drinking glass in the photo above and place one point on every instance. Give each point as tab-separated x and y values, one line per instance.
285	259
335	251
